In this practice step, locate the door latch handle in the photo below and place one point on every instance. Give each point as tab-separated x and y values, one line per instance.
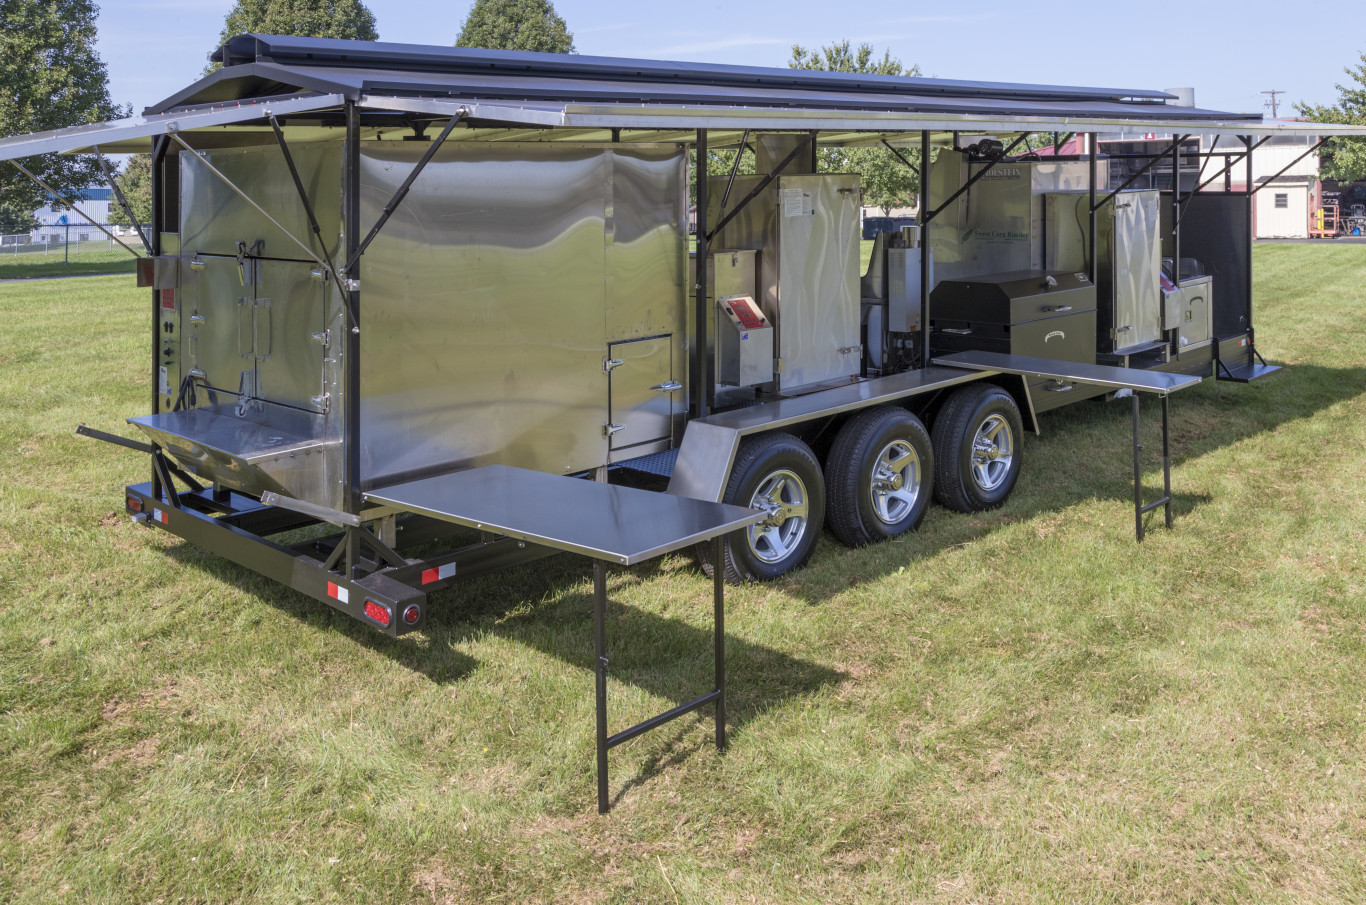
668	386
609	363
610	429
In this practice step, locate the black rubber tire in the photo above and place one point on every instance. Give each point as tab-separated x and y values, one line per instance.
851	511
956	482
758	459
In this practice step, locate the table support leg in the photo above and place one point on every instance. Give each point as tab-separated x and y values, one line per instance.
600	654
1138	477
719	627
1166	458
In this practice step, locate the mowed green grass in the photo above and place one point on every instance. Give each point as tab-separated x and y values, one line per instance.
80	262
1018	706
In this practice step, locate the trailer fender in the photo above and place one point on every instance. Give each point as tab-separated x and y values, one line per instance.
704	461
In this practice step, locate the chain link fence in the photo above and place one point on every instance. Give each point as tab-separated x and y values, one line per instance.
66	243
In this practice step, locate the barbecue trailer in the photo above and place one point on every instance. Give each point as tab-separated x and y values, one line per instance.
438	306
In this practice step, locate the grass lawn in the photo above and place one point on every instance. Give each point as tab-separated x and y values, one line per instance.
1019	706
81	262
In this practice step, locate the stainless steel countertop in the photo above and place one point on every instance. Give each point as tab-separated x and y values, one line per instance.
620	524
1136	379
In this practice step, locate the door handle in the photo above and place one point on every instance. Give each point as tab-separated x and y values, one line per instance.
1058	308
668	386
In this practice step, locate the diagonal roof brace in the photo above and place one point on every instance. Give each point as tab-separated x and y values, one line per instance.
402	191
53	192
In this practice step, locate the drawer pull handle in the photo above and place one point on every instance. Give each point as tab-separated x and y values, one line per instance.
1056	308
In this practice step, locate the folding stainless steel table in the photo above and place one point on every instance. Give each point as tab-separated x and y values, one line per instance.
603	522
1137	380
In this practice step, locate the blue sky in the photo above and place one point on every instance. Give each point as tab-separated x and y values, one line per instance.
1229	52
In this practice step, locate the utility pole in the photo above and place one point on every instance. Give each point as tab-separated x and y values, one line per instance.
1272	103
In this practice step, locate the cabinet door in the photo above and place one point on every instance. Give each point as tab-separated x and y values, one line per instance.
641	391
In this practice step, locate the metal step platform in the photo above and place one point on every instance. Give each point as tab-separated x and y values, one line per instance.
603	522
1245	373
1159	383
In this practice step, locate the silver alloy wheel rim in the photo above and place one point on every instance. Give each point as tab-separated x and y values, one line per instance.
783	496
993	450
895	485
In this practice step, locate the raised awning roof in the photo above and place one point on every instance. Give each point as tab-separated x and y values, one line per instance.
504	94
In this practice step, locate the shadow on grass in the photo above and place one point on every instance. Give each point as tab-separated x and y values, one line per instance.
548	606
1086	453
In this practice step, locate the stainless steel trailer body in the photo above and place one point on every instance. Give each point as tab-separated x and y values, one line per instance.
407	292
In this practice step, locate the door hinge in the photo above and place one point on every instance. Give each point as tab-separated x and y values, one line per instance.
323	339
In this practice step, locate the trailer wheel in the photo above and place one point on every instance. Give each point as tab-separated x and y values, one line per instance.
778	473
977	448
879	474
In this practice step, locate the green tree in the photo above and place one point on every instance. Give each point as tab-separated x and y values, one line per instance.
50	78
887	182
136	184
1344	159
345	19
515	25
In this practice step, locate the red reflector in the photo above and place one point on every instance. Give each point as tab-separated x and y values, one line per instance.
429	576
411	614
377	612
134	504
168	299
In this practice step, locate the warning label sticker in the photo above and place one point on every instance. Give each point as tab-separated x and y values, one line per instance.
796	203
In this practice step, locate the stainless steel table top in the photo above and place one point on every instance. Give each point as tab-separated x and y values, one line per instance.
620	524
1136	379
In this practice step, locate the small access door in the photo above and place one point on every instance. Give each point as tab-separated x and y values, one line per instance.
642	394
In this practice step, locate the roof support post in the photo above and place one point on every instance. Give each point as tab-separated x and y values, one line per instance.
815	154
1156	159
402	191
924	248
1092	244
1176	214
351	337
702	384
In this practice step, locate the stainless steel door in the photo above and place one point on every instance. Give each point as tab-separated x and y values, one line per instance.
642	392
288	335
1137	258
218	336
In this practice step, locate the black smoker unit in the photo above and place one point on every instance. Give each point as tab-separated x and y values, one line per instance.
1023	312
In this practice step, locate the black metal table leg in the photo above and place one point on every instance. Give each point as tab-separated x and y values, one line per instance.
1138	477
1166	459
717	695
719	629
600	653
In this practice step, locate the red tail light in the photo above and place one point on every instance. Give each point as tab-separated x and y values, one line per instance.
377	612
411	614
